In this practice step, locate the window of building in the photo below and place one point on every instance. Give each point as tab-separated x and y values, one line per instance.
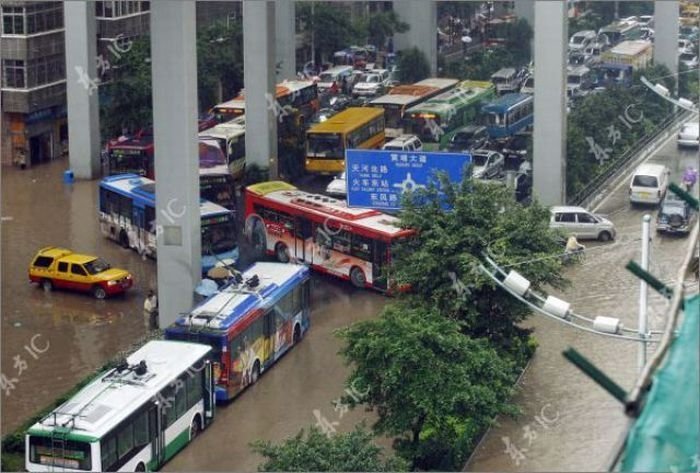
45	70
45	16
13	73
12	20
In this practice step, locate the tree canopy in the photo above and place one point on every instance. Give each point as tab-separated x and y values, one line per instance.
441	264
426	381
413	65
315	451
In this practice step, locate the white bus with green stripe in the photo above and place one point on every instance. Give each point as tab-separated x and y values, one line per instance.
134	417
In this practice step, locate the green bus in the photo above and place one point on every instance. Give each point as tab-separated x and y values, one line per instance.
435	120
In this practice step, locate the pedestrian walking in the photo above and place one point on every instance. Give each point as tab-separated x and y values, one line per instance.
150	310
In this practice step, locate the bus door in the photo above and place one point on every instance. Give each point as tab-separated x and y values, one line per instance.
380	258
138	223
156	423
302	239
209	393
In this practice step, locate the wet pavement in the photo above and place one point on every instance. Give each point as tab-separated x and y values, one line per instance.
568	423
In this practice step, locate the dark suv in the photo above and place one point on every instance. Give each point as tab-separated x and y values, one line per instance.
675	216
468	138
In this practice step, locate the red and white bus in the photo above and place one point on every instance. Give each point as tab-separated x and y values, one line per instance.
293	225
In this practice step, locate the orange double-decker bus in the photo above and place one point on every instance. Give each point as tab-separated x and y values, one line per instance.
401	98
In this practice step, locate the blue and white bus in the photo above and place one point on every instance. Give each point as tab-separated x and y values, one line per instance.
508	115
133	417
128	216
249	323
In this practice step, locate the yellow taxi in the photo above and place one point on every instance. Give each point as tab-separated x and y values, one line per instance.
60	268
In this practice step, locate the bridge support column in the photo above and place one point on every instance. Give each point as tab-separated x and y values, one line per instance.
262	108
422	16
549	139
81	87
666	23
174	62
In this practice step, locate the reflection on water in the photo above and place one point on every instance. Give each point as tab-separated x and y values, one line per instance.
39	210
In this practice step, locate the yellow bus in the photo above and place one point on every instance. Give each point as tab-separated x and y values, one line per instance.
326	142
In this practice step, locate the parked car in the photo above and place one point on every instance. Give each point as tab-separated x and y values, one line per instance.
516	146
689	60
689	134
581	223
468	138
338	186
61	268
486	164
675	216
404	143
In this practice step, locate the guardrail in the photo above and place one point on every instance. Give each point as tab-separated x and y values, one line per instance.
647	144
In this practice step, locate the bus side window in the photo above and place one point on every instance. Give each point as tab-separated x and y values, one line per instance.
303	227
361	247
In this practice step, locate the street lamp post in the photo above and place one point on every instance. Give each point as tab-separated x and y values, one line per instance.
644	293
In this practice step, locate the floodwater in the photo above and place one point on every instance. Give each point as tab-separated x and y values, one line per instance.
73	334
569	423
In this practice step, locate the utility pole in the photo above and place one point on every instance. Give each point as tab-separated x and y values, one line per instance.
644	293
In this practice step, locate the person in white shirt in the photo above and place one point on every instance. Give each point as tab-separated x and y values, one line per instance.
150	309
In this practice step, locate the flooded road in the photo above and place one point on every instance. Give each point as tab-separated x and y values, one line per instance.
82	333
290	396
568	422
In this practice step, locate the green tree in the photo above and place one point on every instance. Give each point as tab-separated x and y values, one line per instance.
219	62
441	264
427	382
126	100
315	451
330	26
413	65
518	36
379	26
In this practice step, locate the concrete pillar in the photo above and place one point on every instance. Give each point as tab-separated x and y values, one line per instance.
81	88
285	41
421	15
549	139
666	25
261	106
174	62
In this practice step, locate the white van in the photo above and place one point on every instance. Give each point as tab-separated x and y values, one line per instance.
649	183
331	80
581	40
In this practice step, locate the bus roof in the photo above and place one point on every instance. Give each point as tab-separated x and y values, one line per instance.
466	92
629	48
347	120
283	88
226	130
504	73
94	410
504	102
334	210
143	189
409	93
228	308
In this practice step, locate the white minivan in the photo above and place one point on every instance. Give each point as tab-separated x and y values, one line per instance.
579	41
649	184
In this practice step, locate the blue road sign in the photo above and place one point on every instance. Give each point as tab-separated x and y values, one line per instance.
376	178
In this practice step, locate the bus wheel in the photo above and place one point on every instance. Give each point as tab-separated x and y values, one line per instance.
357	277
47	285
124	239
140	467
297	334
99	292
194	428
256	372
282	253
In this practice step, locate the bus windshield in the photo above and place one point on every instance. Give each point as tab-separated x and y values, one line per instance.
218	234
325	145
495	119
61	453
393	116
210	154
123	161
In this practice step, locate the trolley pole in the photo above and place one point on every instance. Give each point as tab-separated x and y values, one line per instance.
643	293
